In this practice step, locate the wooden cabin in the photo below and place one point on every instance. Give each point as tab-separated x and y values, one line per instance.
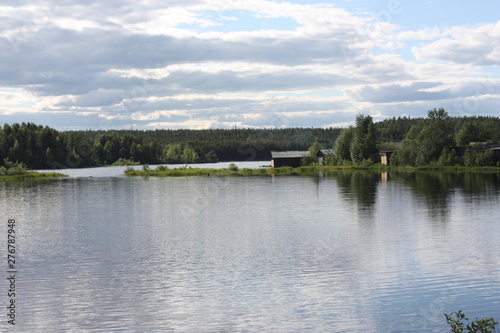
289	158
322	153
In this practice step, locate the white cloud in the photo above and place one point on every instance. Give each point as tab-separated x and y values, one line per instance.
174	63
465	45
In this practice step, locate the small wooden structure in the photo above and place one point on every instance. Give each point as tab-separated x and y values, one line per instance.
497	153
322	153
289	158
478	147
385	155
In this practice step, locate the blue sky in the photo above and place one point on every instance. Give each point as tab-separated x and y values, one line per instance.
74	64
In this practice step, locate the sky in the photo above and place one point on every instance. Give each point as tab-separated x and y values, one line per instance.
146	64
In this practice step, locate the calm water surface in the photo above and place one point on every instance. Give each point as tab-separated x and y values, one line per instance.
348	252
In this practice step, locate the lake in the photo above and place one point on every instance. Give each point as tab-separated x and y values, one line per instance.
343	252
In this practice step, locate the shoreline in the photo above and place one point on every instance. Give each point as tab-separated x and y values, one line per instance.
33	175
303	170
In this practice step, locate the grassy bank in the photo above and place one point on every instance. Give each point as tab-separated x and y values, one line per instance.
162	171
16	170
32	175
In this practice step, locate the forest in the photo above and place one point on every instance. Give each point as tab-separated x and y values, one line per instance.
424	141
438	140
42	147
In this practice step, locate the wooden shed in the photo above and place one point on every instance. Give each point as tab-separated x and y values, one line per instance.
385	155
322	153
289	158
478	147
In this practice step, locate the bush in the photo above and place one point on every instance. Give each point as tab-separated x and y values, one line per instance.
13	168
479	158
486	325
331	159
307	160
448	157
145	167
161	168
366	162
232	167
124	161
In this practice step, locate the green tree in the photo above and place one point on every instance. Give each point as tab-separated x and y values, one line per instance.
189	155
49	154
467	133
111	150
342	153
475	131
136	152
313	149
98	153
211	157
172	153
425	141
311	158
15	152
448	157
364	141
473	158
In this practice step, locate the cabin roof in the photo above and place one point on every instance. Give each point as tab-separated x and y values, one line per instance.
289	154
323	152
387	150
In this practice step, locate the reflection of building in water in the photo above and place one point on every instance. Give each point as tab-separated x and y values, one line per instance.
385	176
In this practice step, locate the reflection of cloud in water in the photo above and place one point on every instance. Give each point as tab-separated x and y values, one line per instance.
287	253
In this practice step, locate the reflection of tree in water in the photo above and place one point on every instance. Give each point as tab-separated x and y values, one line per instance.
23	187
437	188
484	185
434	188
360	186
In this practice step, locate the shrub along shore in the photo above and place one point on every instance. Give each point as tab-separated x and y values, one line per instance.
15	170
233	170
33	175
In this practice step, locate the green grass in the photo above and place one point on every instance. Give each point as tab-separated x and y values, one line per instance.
33	175
163	171
185	172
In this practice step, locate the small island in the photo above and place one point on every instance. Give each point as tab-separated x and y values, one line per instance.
16	170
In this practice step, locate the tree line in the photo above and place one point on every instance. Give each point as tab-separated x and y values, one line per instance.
424	141
42	147
436	140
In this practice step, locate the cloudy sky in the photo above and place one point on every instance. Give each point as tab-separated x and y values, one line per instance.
75	64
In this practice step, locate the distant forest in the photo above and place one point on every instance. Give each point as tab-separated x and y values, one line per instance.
42	147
